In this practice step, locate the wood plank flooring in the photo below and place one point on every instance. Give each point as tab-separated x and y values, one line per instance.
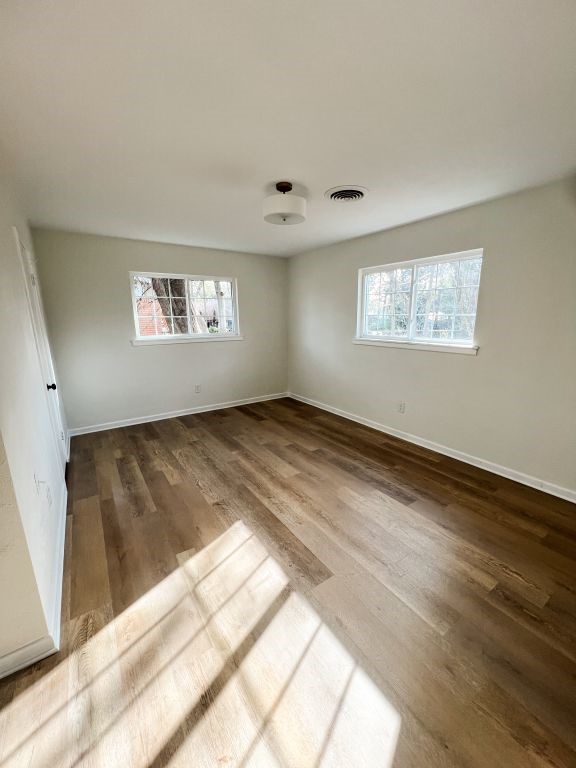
272	585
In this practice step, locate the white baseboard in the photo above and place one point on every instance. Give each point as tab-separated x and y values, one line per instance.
172	414
512	474
26	655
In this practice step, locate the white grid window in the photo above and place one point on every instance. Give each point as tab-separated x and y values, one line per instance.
423	301
184	306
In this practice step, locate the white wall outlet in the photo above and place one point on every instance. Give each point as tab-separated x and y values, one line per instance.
401	407
197	388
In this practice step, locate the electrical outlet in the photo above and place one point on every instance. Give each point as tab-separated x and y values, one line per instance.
197	389
401	407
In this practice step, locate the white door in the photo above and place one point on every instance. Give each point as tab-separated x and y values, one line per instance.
43	348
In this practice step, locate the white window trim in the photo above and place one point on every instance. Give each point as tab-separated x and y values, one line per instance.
399	343
138	340
149	341
457	349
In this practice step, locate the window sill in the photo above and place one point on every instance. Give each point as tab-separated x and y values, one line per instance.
183	340
419	345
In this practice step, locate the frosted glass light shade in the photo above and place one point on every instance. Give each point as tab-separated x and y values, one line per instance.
284	209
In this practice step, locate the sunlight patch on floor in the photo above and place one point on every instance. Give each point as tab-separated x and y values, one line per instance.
220	664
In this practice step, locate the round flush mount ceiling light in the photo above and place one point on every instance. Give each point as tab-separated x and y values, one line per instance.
284	208
347	193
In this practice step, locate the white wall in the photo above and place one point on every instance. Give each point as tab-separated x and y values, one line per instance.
515	403
22	617
28	608
104	378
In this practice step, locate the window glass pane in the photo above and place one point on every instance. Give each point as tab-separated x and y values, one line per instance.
424	302
212	306
381	325
177	287
197	288
442	333
425	326
446	301
141	286
160	286
403	278
223	288
400	325
198	316
198	307
180	325
164	325
442	302
212	316
179	307
373	283
198	324
470	271
150	298
464	327
440	299
447	275
426	276
467	300
157	294
226	307
145	307
146	326
386	281
401	303
387	302
373	305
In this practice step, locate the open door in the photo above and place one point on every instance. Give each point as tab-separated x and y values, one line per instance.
36	310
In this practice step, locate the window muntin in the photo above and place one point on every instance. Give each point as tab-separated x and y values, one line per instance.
424	301
183	305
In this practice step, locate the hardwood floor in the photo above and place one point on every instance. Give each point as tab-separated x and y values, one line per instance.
272	585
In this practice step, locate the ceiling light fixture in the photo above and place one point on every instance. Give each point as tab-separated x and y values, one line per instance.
283	208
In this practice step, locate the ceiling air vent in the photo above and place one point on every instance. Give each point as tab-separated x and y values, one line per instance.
346	193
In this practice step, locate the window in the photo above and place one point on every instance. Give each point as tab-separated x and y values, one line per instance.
184	307
428	301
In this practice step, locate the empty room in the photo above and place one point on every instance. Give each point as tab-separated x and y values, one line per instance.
288	384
